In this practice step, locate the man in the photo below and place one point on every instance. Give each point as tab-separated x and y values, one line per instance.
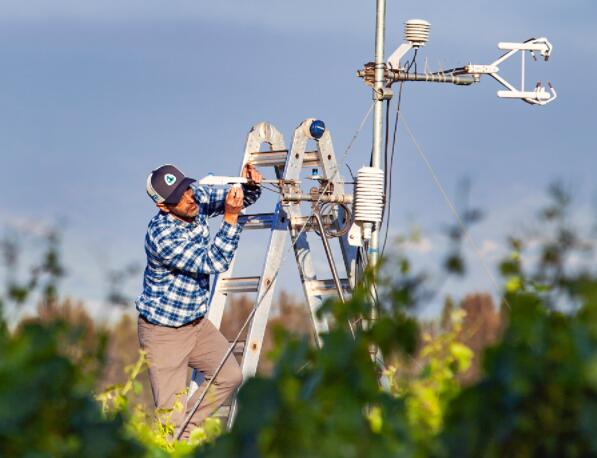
172	326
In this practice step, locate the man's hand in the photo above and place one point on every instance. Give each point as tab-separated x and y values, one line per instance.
252	174
233	205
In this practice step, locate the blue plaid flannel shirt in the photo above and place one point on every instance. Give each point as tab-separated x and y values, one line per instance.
180	258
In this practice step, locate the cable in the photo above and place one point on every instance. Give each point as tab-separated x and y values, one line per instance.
455	213
351	174
385	160
388	174
275	191
412	61
273	280
449	71
389	171
327	210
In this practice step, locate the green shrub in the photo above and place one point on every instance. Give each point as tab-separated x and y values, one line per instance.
536	395
153	429
539	393
430	382
46	406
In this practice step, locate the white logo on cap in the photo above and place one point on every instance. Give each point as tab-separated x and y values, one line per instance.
169	179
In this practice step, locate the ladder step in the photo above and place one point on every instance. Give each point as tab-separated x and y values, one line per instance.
298	222
311	159
277	158
222	412
326	288
239	348
238	285
269	158
257	221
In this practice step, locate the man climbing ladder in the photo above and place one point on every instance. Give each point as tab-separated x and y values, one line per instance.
180	258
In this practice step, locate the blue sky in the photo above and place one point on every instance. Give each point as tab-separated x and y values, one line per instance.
93	95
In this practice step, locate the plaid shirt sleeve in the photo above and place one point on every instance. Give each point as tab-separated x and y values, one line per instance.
215	198
251	194
176	250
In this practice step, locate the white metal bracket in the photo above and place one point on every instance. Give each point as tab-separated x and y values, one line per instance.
538	96
394	59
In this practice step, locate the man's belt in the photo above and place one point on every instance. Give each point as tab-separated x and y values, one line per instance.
194	322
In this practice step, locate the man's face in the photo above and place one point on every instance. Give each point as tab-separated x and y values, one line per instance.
186	208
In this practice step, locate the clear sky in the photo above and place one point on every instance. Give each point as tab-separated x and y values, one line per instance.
95	94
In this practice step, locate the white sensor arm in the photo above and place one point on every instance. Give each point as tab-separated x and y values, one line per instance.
213	180
537	44
539	96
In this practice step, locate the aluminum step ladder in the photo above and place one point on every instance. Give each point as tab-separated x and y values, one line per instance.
286	219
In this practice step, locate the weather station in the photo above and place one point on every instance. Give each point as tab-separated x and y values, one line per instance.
353	218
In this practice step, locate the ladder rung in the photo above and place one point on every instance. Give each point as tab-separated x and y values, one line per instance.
256	221
269	158
327	287
298	222
239	348
277	158
311	159
238	285
222	412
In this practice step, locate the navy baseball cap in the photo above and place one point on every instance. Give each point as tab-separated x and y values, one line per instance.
167	184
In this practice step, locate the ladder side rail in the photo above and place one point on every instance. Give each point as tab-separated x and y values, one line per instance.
256	332
260	133
306	269
331	172
263	133
292	171
302	250
265	294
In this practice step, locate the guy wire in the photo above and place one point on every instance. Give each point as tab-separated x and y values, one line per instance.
452	208
389	171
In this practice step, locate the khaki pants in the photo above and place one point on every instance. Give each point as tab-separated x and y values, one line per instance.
171	351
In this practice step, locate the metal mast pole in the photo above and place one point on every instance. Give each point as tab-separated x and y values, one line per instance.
377	121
